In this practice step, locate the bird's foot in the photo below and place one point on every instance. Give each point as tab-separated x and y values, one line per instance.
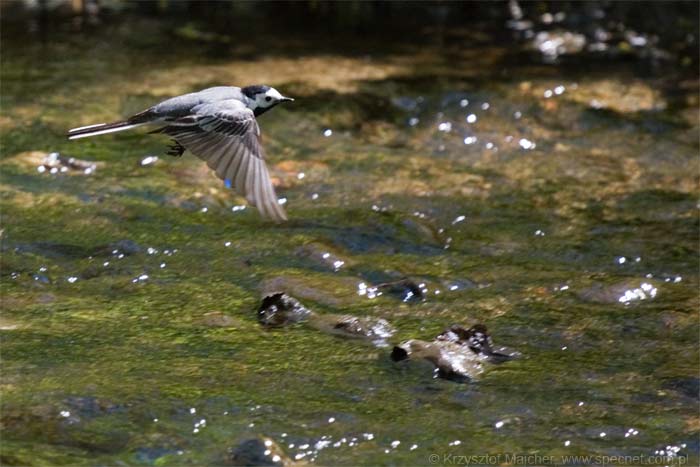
176	149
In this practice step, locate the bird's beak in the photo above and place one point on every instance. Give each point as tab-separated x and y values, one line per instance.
287	99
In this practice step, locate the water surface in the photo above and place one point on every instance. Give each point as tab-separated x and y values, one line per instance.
554	202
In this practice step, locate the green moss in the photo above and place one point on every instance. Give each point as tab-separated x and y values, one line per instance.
142	347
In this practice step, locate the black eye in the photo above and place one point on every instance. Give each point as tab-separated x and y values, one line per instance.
268	99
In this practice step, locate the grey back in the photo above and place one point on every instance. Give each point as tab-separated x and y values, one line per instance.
181	106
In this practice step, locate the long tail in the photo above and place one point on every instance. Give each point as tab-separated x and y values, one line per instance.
102	129
141	118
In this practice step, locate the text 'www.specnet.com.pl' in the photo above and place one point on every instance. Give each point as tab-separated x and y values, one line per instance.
572	460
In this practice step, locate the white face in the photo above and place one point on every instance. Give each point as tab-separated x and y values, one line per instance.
270	98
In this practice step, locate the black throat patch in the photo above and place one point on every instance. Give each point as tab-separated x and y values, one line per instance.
261	110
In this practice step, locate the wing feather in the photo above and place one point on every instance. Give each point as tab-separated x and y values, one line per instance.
259	188
237	157
226	136
251	177
215	159
225	160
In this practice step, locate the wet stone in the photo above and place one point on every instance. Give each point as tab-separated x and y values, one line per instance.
382	239
54	163
322	256
453	285
415	289
125	246
422	229
280	309
405	289
53	250
334	291
392	283
258	452
478	340
41	278
93	271
56	160
377	330
66	425
451	361
624	293
458	354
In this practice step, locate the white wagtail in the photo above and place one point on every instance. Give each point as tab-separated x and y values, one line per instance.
217	125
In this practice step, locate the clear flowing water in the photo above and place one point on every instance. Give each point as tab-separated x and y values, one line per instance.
555	204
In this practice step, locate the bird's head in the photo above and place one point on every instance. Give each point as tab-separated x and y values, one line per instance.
262	98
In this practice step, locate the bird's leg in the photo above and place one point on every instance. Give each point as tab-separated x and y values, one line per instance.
176	149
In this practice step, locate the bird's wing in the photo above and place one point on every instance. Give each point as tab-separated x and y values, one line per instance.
226	136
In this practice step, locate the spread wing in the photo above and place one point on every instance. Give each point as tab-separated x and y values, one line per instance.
226	136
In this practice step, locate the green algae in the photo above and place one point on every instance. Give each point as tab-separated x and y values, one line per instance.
596	186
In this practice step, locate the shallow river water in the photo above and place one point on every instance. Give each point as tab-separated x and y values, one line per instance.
556	203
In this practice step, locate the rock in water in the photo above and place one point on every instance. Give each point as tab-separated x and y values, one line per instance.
376	330
478	340
258	452
457	353
279	309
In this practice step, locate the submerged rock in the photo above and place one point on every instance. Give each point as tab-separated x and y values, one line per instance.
68	424
405	289
280	309
457	353
377	330
478	341
258	452
411	290
323	256
626	292
451	360
391	283
331	290
125	246
52	250
54	163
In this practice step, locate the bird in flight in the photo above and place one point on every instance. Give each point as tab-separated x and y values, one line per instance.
219	126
